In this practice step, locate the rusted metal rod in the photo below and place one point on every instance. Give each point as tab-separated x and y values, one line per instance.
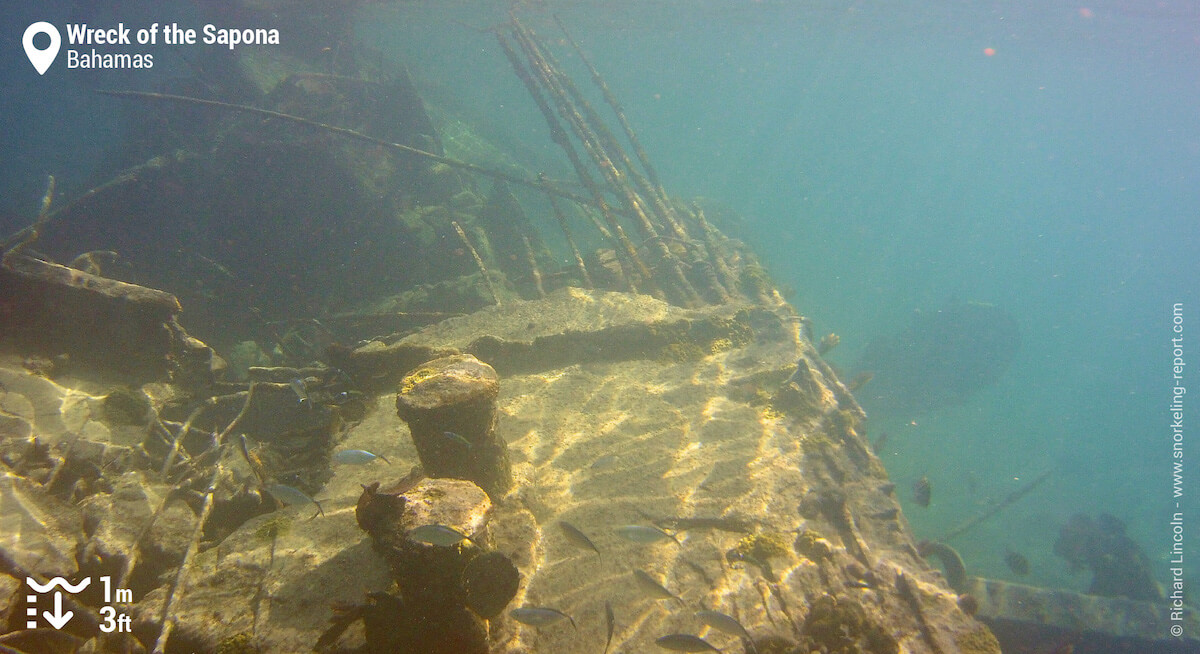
562	223
349	133
559	136
678	287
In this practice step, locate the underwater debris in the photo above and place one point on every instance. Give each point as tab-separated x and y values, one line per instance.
167	619
618	110
543	74
489	582
721	282
487	280
918	603
758	550
1119	566
352	134
379	513
827	343
408	624
127	406
1008	500
841	626
52	310
801	395
89	262
252	458
28	236
952	563
812	545
657	218
559	216
385	613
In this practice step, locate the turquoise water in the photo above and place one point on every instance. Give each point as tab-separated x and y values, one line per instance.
888	157
884	158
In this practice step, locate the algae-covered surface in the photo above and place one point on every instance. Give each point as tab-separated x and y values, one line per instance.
770	504
433	396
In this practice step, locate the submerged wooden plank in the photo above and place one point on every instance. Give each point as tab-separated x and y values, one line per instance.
1023	616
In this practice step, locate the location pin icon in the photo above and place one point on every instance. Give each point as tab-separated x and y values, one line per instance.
41	59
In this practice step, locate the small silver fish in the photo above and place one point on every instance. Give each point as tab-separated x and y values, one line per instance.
255	464
577	537
609	620
644	534
301	391
343	397
605	461
727	623
685	643
357	457
439	535
651	586
216	265
451	436
540	616
292	496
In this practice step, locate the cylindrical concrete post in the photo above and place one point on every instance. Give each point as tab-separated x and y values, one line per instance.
450	407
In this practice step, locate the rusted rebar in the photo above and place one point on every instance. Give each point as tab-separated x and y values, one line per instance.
647	183
716	251
27	236
349	133
566	230
624	246
619	110
478	261
166	620
678	288
534	270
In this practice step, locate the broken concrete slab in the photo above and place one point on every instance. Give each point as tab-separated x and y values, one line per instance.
103	326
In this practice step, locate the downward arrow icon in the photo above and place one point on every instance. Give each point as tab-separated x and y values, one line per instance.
58	619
